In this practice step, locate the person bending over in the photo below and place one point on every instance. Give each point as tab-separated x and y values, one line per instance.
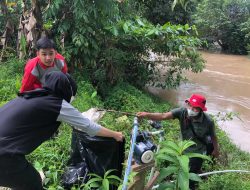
32	118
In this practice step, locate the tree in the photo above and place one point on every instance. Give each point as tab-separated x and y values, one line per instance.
245	28
23	24
109	41
113	45
8	28
162	11
220	21
30	28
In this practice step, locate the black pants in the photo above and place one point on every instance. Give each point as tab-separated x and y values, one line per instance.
17	173
195	165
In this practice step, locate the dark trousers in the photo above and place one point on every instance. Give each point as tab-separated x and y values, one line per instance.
17	173
195	165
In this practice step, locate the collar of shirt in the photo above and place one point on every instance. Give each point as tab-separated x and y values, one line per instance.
199	119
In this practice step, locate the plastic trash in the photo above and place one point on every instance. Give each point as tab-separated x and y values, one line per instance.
92	155
75	175
101	154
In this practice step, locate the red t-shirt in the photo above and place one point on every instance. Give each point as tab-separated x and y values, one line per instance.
35	71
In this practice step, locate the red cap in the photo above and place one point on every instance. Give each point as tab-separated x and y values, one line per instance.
197	100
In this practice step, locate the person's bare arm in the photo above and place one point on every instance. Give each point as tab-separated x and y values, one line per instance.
104	132
155	116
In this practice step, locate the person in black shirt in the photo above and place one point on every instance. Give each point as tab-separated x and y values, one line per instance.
32	118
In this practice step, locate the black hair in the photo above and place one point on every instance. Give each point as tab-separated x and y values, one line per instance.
60	84
45	43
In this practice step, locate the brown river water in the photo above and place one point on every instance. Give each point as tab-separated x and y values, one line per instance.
225	82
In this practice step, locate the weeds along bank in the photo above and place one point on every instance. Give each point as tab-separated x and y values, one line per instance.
52	156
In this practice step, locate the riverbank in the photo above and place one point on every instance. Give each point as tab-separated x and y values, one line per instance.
52	156
225	83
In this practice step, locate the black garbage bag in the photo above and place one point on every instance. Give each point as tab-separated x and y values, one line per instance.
75	156
99	154
75	175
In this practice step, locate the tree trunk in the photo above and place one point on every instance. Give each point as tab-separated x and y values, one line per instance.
9	29
224	47
29	30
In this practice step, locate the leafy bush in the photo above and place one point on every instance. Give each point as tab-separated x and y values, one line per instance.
11	75
224	22
160	11
103	183
86	96
113	45
125	97
178	166
137	37
226	182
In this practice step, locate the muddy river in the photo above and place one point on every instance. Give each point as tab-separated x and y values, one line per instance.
225	82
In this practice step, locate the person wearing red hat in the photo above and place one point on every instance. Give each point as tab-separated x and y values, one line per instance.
196	125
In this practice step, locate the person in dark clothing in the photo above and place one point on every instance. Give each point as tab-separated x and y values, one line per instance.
32	118
195	125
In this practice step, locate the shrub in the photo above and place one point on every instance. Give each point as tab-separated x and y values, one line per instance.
11	75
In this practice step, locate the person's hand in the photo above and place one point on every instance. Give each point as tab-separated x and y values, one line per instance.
118	136
142	114
215	153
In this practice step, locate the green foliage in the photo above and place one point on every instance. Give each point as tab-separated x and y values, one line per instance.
161	11
23	44
111	41
86	96
9	12
10	82
183	3
137	37
103	183
113	45
226	116
222	21
123	122
245	28
125	97
226	182
178	165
